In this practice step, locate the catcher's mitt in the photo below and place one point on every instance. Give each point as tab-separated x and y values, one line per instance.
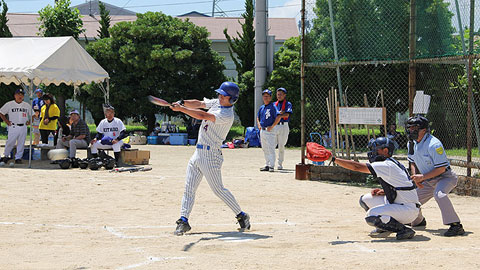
317	153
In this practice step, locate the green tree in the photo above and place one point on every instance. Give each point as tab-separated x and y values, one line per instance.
157	55
104	21
242	52
4	30
57	21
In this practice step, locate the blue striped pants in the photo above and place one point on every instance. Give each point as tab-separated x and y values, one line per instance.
206	163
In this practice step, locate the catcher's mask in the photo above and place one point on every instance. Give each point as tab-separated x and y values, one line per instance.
379	143
413	126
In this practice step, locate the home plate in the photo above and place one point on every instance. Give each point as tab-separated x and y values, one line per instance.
237	238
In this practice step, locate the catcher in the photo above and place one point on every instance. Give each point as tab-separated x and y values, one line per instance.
388	209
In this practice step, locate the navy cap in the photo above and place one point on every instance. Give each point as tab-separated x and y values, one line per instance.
20	91
267	91
38	91
282	89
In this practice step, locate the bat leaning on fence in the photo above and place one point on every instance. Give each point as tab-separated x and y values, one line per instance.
132	169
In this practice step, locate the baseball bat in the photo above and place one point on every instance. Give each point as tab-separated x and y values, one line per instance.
159	101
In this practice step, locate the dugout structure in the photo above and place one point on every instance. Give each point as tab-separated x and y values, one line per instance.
364	48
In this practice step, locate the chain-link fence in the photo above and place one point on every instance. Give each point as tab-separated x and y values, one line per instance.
364	50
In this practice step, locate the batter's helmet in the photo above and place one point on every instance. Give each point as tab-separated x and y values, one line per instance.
65	163
229	89
380	143
83	163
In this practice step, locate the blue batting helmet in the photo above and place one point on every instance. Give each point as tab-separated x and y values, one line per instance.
229	89
379	143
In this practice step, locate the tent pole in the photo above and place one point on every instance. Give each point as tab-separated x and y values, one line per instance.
30	93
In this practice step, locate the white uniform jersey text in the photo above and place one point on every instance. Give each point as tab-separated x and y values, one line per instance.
111	129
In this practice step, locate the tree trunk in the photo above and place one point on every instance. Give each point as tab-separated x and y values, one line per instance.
61	105
151	120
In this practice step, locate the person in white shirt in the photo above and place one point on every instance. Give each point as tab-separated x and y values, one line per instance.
207	159
388	209
19	113
110	133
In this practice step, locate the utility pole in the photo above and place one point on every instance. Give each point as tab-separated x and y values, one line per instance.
260	52
216	9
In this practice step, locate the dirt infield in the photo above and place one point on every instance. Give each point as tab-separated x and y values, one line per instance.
81	219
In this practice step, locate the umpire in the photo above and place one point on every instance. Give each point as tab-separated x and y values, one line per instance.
432	173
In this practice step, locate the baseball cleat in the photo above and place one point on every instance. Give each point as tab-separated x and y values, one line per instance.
406	233
280	167
182	227
244	221
270	169
264	169
18	161
379	233
455	230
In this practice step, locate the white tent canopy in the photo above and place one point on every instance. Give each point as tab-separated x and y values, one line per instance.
47	60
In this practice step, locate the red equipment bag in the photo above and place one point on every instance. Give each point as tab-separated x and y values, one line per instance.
317	153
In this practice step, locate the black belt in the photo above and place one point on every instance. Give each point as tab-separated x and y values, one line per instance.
18	124
201	146
418	205
283	123
263	128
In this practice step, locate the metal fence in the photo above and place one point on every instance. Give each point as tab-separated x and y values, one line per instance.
379	53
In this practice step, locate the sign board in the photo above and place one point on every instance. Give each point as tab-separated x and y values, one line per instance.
421	102
362	115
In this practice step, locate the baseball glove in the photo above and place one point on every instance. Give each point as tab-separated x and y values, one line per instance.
317	153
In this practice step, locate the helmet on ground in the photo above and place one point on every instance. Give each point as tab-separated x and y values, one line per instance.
83	163
65	163
418	122
229	89
380	143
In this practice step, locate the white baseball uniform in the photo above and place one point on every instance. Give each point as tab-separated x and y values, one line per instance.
405	207
110	129
282	129
18	114
207	159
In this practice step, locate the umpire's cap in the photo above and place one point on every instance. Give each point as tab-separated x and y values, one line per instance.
229	89
417	120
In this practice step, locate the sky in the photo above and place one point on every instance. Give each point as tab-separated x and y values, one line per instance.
232	8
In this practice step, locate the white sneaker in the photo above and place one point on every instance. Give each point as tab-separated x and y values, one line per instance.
379	233
280	167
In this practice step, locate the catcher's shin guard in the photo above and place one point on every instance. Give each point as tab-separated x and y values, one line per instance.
393	225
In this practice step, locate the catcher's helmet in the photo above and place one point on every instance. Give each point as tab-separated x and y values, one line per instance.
380	143
229	89
417	121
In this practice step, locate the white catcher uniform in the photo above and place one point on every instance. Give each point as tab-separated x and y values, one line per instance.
19	114
405	207
109	129
207	159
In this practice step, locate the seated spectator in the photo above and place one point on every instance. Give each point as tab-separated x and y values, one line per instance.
327	139
78	137
157	129
110	133
393	134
